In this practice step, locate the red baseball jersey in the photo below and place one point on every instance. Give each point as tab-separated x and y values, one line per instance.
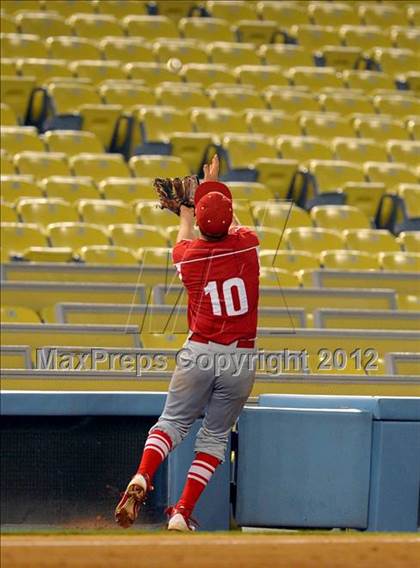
222	281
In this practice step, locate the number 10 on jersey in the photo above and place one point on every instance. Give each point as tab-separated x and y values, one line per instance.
227	287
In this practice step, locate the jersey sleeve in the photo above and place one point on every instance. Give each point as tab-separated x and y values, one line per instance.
247	236
179	250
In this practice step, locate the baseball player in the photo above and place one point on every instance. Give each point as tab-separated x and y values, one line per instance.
220	271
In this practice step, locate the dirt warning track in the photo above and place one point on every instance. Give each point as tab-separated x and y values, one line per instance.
211	551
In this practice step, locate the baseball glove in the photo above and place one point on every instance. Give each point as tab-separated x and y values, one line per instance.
174	192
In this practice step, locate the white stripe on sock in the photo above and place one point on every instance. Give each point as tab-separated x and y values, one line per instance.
204	464
158	442
156	435
196	478
151	446
202	471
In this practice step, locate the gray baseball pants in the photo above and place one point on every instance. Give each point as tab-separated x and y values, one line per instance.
212	379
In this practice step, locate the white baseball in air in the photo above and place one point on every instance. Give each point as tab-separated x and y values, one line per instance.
174	64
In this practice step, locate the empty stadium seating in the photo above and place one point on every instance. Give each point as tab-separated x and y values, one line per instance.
312	106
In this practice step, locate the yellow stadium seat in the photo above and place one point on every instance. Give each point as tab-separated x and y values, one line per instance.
101	120
126	49
127	189
286	14
162	340
315	78
182	97
8	213
105	212
43	24
332	14
218	121
292	261
13	187
8	66
16	237
231	10
152	214
413	14
271	122
413	127
207	73
261	75
402	151
76	235
105	254
150	27
44	69
405	37
395	61
48	254
410	193
340	57
370	240
382	15
95	26
185	50
7	116
270	238
158	123
7	167
359	150
16	139
365	37
412	79
256	31
348	260
313	240
368	80
15	92
380	128
286	55
249	191
155	256
22	45
244	215
98	71
206	29
158	166
304	148
389	174
409	302
119	8
128	94
233	54
8	24
69	97
190	147
72	142
172	234
279	278
176	10
42	164
291	101
401	261
67	7
396	105
280	216
339	217
45	211
245	149
18	314
410	241
72	48
237	98
346	104
135	236
70	188
331	175
99	166
325	125
313	37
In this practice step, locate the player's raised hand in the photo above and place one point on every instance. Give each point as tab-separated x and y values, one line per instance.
211	170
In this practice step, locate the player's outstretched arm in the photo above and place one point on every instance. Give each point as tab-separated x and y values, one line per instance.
211	170
186	224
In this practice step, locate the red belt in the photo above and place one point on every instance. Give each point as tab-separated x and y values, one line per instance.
241	344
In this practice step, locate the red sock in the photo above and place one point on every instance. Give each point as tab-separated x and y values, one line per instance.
157	447
199	474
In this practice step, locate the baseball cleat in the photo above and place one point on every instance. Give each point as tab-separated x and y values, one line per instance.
179	520
128	508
